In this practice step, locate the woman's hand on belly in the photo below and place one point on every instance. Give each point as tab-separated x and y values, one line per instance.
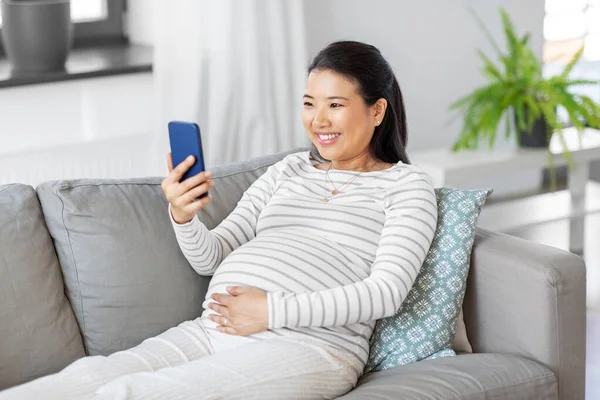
244	311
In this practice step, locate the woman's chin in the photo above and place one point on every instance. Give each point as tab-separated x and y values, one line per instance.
327	152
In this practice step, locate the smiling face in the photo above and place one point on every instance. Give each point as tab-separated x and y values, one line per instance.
337	120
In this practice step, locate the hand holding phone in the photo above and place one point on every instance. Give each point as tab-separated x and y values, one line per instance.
185	141
186	187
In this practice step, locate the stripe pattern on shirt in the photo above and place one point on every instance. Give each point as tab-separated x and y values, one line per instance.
330	269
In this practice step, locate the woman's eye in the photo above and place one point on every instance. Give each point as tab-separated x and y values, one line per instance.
335	105
307	104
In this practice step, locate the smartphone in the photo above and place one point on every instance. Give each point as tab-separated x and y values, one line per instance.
184	138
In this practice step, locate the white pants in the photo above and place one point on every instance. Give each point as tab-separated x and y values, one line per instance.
182	364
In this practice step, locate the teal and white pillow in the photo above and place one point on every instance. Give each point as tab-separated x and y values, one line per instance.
424	326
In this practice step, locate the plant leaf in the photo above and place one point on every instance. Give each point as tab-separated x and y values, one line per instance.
571	64
575	82
593	109
520	113
513	42
489	68
485	31
550	116
508	125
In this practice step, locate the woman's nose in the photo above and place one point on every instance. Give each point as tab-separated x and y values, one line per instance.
319	119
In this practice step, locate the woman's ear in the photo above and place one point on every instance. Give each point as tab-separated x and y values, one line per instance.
379	109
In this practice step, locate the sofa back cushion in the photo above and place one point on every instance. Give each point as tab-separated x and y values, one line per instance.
124	272
38	331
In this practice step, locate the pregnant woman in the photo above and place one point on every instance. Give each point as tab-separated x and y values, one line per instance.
322	245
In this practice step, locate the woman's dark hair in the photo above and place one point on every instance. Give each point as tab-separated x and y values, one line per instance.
364	65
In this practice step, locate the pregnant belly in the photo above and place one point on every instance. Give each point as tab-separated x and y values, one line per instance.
283	265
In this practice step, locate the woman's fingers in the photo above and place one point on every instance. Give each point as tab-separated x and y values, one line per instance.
196	192
177	172
225	325
221	310
170	185
227	329
180	189
195	180
175	190
169	162
197	205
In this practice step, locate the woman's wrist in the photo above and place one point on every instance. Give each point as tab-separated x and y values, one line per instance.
178	218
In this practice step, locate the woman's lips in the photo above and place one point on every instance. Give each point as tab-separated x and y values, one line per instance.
326	138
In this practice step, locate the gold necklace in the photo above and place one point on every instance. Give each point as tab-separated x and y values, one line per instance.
335	190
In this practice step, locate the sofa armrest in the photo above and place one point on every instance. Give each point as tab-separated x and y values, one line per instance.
529	299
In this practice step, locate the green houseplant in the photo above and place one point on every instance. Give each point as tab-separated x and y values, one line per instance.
517	92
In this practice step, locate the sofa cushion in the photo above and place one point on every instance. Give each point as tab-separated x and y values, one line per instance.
425	324
124	271
38	331
468	377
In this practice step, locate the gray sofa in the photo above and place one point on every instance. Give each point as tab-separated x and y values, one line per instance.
93	267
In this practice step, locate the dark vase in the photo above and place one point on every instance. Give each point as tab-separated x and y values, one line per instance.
537	136
36	34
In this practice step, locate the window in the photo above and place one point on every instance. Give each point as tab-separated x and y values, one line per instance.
569	24
96	21
90	10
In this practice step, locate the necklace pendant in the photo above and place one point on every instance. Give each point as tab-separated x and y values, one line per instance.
324	199
334	192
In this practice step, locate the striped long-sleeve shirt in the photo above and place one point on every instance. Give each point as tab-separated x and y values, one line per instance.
330	269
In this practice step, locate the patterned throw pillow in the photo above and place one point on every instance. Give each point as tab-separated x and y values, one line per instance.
424	326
